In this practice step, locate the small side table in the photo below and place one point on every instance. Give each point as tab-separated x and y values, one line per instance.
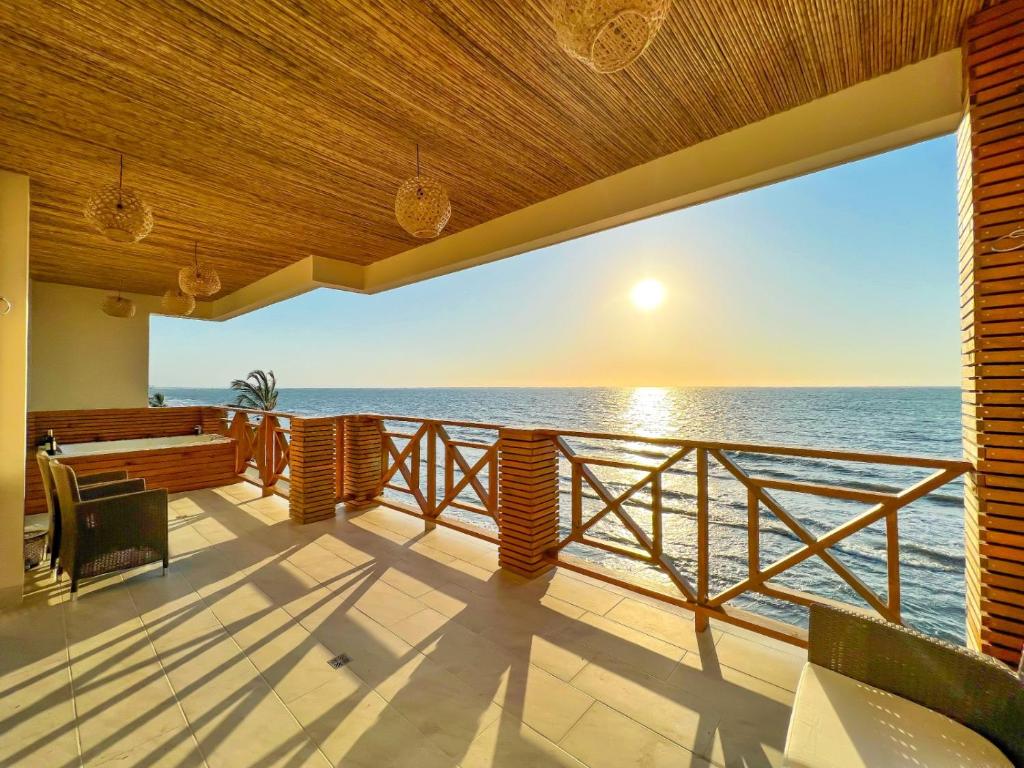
35	546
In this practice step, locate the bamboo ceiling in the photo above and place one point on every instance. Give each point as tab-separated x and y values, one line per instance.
272	130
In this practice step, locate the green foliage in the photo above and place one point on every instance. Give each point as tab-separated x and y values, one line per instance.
157	400
257	391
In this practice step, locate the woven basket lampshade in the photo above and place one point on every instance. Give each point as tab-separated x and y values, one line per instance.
421	205
608	35
199	278
118	306
119	213
177	302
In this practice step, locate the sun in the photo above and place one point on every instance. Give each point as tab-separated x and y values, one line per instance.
647	295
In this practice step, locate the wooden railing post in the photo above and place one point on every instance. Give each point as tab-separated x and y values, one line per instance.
312	464
991	178
700	619
527	500
363	459
265	438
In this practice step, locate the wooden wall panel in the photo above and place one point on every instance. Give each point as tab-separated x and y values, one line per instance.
87	426
990	148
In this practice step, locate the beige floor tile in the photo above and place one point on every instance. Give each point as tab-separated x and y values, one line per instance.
542	701
59	748
604	738
36	709
290	659
664	625
440	705
383	603
755	714
172	749
507	743
589	597
252	727
356	728
771	664
116	719
607	642
688	719
375	652
283	582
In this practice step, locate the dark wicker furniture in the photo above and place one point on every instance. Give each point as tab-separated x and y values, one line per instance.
108	479
103	533
979	692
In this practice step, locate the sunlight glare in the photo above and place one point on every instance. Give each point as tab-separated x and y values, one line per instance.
647	295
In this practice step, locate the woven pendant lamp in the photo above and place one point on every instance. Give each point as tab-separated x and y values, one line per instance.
421	205
177	302
199	278
118	306
118	213
608	35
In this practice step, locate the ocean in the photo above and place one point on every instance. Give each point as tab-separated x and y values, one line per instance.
909	421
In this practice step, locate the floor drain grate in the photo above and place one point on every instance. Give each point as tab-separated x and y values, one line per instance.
339	661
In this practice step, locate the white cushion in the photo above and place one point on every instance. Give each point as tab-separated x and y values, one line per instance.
838	721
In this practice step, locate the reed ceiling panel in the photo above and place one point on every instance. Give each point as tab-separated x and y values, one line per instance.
271	131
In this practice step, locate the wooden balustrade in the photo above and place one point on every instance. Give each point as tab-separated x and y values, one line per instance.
538	494
441	475
692	590
262	447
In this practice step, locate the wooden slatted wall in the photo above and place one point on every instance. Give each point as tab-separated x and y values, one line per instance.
990	146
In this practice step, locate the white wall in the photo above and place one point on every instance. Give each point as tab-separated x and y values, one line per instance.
14	211
81	358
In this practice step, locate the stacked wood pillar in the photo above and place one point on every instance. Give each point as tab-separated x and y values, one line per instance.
990	147
363	460
527	501
312	466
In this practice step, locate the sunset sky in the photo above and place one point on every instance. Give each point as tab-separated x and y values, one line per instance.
845	277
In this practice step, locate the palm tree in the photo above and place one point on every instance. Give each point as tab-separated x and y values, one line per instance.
258	391
157	400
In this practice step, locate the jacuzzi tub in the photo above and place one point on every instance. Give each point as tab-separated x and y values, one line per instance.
142	444
178	463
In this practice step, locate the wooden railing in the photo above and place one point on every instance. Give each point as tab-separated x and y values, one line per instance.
448	473
262	447
693	589
442	468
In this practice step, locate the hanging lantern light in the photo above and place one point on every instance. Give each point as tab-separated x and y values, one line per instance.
421	205
118	306
177	302
608	35
118	213
199	278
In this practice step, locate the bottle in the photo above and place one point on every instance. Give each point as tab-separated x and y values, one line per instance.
54	448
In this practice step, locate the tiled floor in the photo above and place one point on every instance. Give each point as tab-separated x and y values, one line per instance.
223	662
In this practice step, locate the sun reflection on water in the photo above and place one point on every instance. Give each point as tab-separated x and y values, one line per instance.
649	411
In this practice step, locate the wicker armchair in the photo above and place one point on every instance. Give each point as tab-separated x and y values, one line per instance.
976	691
103	533
109	480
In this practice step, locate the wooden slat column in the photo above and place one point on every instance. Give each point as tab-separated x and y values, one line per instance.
527	501
312	464
363	446
990	147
